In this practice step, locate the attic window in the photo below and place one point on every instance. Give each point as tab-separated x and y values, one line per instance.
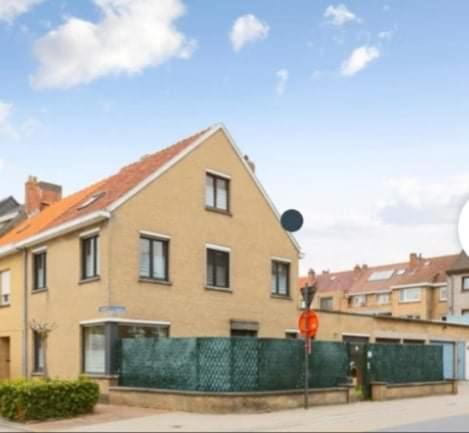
400	272
94	198
381	275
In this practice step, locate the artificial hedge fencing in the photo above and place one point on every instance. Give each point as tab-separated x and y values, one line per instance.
34	400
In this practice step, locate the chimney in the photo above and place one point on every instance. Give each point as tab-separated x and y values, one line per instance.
40	195
357	270
311	277
251	164
414	260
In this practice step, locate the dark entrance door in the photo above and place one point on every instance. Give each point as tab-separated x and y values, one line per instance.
4	358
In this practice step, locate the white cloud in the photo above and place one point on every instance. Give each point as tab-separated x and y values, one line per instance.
6	130
10	9
340	15
282	79
359	59
246	29
2	164
386	35
133	35
414	201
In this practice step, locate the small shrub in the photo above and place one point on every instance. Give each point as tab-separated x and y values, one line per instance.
29	400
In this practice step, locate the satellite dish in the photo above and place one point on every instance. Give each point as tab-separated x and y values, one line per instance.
292	220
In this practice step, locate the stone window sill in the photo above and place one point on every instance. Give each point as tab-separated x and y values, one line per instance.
89	280
219	211
37	292
144	280
219	289
283	297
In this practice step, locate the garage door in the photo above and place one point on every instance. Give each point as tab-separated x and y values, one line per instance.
448	358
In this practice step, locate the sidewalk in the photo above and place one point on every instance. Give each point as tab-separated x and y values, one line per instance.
367	416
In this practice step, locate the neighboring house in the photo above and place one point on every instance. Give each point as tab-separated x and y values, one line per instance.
417	289
183	243
11	214
458	278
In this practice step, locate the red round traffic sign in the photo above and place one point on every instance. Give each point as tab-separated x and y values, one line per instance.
308	324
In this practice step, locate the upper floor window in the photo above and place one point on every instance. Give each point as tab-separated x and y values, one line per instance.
444	293
465	283
89	259
40	271
280	278
410	295
154	260
5	288
217	192
326	303
218	268
358	301
384	299
465	313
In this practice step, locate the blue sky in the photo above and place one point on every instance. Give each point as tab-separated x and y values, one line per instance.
354	112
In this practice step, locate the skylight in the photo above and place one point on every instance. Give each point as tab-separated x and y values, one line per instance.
91	200
400	272
381	275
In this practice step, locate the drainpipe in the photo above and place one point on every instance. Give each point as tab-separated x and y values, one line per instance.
25	351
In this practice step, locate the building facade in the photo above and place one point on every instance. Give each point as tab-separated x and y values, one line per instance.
183	243
416	289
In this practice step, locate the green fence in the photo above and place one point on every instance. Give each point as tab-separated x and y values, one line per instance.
393	363
250	364
229	364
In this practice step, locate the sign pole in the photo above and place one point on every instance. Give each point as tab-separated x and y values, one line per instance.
306	402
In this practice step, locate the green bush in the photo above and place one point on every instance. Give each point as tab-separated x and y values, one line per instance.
29	400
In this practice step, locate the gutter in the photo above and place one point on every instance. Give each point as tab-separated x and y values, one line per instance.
63	229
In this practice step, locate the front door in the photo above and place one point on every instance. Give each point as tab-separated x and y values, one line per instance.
4	358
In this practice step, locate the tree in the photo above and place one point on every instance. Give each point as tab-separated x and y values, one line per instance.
43	330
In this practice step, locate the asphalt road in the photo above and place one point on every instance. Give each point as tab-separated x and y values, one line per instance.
450	424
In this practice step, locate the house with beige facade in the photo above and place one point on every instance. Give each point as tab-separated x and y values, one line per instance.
184	242
417	289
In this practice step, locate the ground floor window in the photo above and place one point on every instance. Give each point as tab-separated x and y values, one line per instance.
38	353
291	335
94	345
136	331
243	333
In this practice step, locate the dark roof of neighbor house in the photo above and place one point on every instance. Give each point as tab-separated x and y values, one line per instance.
371	279
8	205
461	264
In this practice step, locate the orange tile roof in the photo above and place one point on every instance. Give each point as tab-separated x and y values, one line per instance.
426	270
109	190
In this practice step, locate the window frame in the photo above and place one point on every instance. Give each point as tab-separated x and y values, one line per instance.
166	252
38	347
463	288
362	304
379	296
36	256
94	238
84	329
276	292
6	272
445	298
326	299
210	250
402	298
218	177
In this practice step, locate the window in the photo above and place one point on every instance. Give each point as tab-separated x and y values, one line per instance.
381	275
154	259
358	301
38	353
292	335
243	333
217	192
410	295
326	303
94	345
40	271
412	317
218	268
465	283
384	299
444	293
5	289
280	278
465	313
89	250
137	331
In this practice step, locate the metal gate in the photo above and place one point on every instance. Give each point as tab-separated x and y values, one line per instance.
448	358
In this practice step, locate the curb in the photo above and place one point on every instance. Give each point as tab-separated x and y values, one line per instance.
13	426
